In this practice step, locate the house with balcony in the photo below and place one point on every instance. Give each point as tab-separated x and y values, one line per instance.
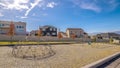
48	30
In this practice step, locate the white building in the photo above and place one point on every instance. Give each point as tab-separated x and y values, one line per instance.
20	27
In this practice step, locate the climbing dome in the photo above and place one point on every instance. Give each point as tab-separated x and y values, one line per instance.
32	51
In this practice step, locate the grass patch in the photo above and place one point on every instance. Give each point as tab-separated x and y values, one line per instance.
33	43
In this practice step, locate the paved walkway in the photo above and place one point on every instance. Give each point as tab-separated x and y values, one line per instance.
114	63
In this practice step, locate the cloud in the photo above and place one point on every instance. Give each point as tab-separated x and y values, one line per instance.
14	4
19	5
23	17
36	2
90	6
51	4
96	5
24	6
1	15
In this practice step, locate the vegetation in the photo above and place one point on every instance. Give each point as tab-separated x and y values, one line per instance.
59	35
34	43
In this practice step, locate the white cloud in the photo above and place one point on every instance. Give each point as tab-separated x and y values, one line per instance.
23	17
24	6
84	4
1	15
15	4
96	5
36	2
90	6
19	5
2	4
51	4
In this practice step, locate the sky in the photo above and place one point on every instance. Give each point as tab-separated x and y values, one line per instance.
90	15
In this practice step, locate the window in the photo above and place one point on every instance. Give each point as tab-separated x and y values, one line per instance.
54	29
50	29
43	29
53	33
21	30
48	34
17	26
2	24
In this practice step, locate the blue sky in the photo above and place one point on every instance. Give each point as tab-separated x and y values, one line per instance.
91	15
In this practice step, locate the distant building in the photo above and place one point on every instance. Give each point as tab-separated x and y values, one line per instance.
34	32
20	27
64	35
108	36
78	32
48	30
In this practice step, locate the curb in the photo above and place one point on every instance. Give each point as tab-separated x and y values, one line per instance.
101	61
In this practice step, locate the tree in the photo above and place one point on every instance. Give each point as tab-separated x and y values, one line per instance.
11	29
111	40
59	35
73	36
39	33
94	39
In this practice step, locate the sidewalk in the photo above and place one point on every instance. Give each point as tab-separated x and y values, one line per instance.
114	63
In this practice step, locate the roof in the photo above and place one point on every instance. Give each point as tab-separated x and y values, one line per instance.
2	21
74	29
110	34
46	26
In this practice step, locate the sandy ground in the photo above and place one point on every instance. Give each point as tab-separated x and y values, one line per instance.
67	56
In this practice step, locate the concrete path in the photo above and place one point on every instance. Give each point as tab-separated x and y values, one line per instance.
114	63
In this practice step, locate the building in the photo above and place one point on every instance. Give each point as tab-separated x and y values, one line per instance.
48	30
20	27
64	35
78	32
34	33
108	36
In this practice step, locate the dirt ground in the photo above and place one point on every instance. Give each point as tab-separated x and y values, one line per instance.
67	56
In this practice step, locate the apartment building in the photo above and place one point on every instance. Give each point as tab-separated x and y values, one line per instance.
20	27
